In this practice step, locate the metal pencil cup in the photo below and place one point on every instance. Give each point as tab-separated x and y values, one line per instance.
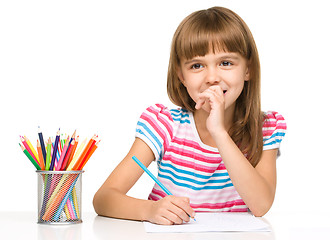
59	197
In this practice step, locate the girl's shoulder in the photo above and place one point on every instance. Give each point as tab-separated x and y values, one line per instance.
273	119
177	114
273	129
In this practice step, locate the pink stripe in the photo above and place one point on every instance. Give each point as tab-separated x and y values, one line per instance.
191	144
228	204
167	113
159	192
275	125
195	166
153	198
238	210
187	153
268	133
155	127
165	122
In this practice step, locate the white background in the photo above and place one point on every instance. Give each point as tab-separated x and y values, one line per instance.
95	66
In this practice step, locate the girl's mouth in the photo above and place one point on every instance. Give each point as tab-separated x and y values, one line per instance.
224	92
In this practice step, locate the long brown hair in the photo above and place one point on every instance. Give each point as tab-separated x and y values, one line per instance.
220	29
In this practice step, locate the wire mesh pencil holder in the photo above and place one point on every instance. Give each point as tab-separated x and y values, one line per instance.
59	197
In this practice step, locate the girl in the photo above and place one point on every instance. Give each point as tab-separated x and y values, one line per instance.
218	151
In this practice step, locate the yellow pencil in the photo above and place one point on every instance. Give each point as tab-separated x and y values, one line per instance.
32	149
77	155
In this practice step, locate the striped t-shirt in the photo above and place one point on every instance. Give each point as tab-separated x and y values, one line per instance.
188	167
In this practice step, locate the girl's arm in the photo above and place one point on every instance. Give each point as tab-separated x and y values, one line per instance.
111	199
256	185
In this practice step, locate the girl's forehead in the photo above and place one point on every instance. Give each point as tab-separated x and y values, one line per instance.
219	52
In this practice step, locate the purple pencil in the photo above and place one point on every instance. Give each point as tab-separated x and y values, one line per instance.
55	150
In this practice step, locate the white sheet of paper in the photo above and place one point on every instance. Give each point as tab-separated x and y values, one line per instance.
214	222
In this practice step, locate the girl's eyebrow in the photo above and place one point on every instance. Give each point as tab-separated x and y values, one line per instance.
232	56
191	61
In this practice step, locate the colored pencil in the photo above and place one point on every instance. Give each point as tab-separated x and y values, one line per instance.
59	191
154	178
41	157
77	155
49	151
84	153
52	164
42	144
67	193
73	136
75	202
151	175
93	148
65	161
76	141
30	157
26	146
59	198
34	153
63	153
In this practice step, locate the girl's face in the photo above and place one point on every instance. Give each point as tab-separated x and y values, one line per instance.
227	69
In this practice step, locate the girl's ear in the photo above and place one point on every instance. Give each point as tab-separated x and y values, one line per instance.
247	74
180	75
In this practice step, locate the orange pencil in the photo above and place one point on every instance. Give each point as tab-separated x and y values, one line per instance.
73	150
41	157
84	153
89	155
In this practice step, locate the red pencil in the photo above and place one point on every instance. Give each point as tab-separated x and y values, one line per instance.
68	153
84	153
89	155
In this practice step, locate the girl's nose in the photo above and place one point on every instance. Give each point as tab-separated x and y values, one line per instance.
212	76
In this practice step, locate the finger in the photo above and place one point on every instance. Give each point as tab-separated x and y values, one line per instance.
200	102
217	89
173	215
183	208
189	209
168	209
164	221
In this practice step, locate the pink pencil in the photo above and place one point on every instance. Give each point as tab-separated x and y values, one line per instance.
60	161
28	149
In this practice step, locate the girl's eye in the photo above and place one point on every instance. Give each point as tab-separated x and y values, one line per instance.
225	63
197	66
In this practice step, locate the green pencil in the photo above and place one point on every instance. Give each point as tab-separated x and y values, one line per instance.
49	149
30	157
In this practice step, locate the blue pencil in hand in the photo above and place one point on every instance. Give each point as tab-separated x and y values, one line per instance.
153	177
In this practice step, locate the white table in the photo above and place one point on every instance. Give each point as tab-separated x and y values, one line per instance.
23	225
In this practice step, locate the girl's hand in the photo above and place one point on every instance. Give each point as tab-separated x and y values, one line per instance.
170	210
212	100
